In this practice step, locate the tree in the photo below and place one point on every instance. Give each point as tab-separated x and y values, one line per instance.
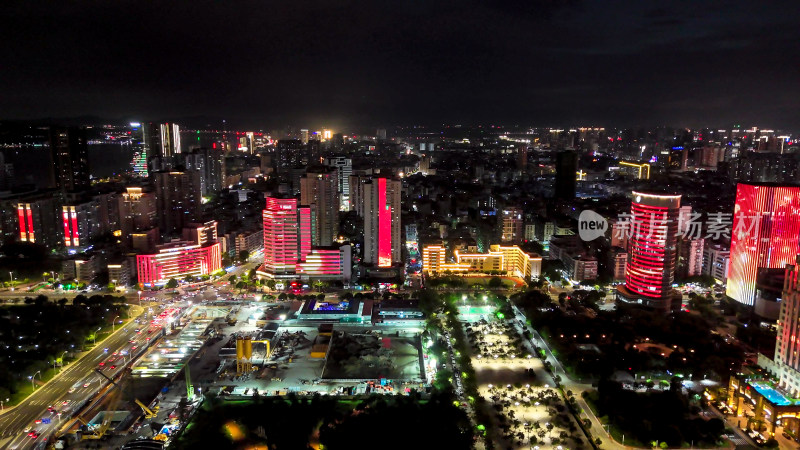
495	282
243	255
172	283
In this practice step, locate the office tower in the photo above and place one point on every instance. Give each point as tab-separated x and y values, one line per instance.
522	157
652	252
381	134
716	261
287	245
344	168
381	212
787	346
37	221
178	199
679	159
137	211
314	152
511	223
287	235
139	161
764	234
618	261
337	141
690	263
208	164
319	191
290	153
566	174
162	140
107	212
201	233
304	136
70	153
251	143
80	222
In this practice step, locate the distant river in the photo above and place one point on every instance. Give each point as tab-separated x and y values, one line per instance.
31	164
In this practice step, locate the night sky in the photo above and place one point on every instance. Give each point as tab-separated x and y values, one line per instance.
382	63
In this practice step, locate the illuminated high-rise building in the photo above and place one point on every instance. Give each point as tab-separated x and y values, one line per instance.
37	221
652	252
162	143
344	168
319	191
381	211
287	235
209	165
80	222
139	162
511	223
137	211
304	136
764	235
70	154
288	253
162	139
787	346
178	199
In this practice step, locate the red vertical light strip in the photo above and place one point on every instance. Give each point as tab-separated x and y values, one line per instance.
23	235
31	235
384	227
67	237
304	235
75	237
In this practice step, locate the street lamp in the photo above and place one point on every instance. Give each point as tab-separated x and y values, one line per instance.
2	403
140	298
94	336
11	274
62	358
33	386
113	322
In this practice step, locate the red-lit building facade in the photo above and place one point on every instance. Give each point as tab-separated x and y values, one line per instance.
287	235
288	253
652	252
381	212
80	222
177	260
765	232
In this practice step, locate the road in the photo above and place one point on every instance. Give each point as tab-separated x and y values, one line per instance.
56	391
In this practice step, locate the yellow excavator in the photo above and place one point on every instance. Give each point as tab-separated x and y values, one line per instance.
148	413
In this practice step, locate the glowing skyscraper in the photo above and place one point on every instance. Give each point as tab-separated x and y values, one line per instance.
381	209
287	235
653	251
765	233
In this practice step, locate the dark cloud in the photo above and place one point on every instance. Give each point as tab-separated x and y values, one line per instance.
418	61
